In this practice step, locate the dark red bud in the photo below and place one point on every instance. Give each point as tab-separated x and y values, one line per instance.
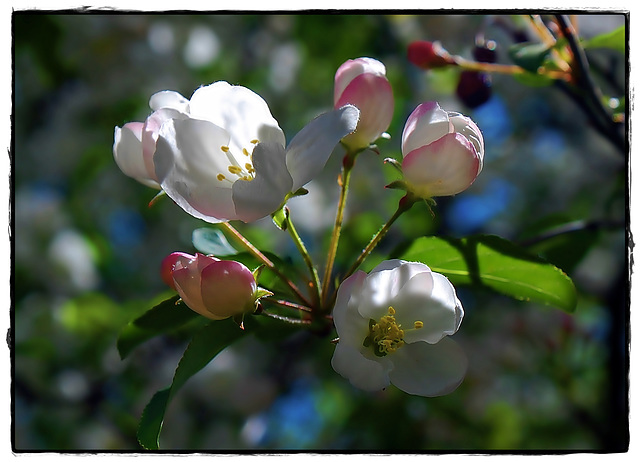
486	52
474	88
428	55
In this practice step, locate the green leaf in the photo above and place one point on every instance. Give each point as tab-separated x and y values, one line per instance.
496	263
204	346
298	192
152	420
529	56
280	218
164	317
615	40
212	242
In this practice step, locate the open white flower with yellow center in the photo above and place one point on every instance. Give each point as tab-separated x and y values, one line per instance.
393	325
226	159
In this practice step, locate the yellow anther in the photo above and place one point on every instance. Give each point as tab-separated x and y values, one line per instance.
245	152
418	325
234	169
221	177
248	166
255	141
224	148
385	336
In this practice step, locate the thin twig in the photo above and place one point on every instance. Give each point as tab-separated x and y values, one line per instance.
582	76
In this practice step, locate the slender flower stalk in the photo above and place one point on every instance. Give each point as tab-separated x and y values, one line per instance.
239	238
286	319
288	304
548	39
347	167
509	69
297	240
363	83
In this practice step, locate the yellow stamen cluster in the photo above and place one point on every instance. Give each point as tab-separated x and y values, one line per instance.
386	336
246	173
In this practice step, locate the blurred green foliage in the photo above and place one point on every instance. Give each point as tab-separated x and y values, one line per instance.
87	247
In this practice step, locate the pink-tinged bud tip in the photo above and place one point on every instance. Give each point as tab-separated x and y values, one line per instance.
172	262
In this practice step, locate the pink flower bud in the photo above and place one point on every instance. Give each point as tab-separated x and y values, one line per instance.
363	83
216	289
443	151
428	55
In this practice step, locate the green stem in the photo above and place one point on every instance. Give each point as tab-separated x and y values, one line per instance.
572	227
240	239
315	279
405	204
347	167
601	114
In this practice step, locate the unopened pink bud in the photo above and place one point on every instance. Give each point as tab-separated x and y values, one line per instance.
443	151
216	289
363	83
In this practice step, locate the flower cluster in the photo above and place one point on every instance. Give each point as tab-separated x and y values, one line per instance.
222	156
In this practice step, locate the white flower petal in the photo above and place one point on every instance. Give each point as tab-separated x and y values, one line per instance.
265	193
187	160
127	152
427	123
310	149
351	327
150	133
430	298
429	370
383	284
169	99
240	111
363	373
468	128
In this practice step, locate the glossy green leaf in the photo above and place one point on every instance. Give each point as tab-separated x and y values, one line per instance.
529	56
615	40
210	241
163	317
496	263
204	346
